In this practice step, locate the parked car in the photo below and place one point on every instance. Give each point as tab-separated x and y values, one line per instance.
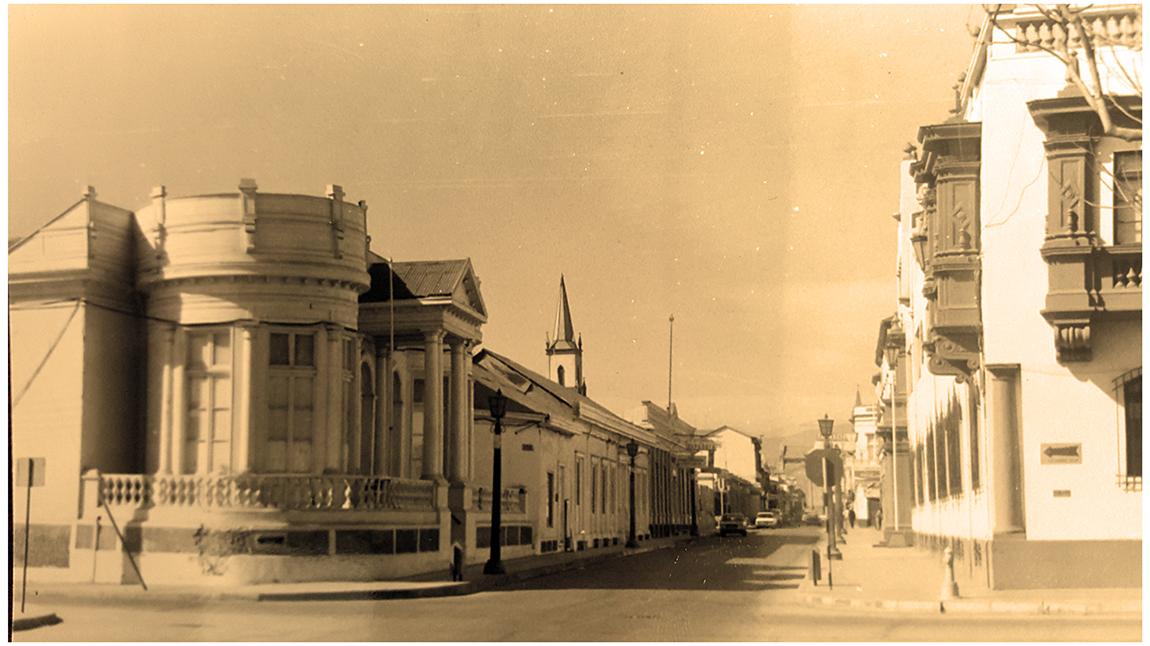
733	524
767	519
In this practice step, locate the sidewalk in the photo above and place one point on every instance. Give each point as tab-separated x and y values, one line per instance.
910	579
422	586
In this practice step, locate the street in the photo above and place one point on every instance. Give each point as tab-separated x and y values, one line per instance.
717	589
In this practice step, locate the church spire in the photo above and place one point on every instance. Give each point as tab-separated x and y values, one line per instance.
564	349
858	397
564	329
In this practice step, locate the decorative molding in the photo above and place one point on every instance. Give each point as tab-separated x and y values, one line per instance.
250	220
335	194
1072	340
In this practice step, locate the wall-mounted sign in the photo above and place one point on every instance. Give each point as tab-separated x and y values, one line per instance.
528	447
1061	454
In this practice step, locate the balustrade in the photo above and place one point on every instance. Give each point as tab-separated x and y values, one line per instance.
513	501
285	492
1122	28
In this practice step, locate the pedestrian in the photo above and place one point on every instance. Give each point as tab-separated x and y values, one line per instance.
851	516
878	518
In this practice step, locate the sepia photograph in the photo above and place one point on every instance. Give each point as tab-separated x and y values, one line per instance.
575	323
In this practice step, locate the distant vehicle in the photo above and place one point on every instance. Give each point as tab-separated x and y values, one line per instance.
733	524
812	518
767	519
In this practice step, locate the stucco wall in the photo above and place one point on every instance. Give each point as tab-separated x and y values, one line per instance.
48	404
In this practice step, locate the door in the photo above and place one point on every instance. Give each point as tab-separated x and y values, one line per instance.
561	496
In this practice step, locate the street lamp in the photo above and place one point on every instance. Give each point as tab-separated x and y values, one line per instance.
632	451
826	426
497	405
892	363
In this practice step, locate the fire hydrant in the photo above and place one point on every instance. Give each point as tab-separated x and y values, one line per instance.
949	585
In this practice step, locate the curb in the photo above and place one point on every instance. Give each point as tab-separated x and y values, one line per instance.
490	582
449	590
35	621
980	606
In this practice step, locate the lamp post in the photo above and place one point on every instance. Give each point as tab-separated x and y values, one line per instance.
892	362
497	405
632	451
826	425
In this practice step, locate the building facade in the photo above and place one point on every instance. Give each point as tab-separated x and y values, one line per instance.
232	388
1019	313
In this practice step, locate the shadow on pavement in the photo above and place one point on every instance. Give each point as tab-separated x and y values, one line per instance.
716	564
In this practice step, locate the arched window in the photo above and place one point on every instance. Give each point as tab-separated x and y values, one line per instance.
367	457
560	373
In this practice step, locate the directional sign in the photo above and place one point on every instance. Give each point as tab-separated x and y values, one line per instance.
814	465
1061	454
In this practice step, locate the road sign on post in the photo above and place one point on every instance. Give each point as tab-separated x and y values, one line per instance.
814	465
29	473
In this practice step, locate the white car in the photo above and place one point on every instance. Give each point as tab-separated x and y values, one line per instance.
766	519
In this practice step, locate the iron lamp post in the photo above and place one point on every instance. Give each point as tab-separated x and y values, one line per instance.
497	405
826	426
632	451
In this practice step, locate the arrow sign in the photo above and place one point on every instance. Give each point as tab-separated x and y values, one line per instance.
1061	454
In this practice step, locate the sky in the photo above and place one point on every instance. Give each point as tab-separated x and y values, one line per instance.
736	166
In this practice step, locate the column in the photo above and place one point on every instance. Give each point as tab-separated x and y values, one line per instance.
242	426
334	440
382	410
179	408
433	406
457	440
167	358
1007	485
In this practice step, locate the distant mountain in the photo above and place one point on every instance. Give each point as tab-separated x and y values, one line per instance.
799	442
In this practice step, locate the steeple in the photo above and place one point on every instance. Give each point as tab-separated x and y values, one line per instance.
564	329
858	397
564	349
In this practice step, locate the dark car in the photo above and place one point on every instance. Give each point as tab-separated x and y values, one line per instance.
733	524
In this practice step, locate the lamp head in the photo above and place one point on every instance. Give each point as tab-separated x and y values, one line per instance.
826	425
632	449
497	404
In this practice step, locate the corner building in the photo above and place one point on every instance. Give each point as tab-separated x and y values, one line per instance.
217	390
1019	296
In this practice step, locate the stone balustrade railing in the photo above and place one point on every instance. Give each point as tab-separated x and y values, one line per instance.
513	500
285	492
1114	27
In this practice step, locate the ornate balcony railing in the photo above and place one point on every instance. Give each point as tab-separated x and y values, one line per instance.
1122	26
285	492
514	502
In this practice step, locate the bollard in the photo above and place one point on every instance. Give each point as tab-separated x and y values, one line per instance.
949	585
816	567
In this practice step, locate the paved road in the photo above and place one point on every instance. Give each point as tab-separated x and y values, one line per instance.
733	589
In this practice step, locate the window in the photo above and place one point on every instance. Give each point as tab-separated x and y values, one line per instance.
561	374
1128	197
975	472
930	467
594	484
952	422
550	499
208	428
291	390
1129	390
603	489
578	480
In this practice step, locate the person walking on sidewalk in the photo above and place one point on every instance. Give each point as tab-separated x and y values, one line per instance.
878	518
851	516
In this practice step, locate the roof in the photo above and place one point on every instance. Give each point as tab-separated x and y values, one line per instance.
728	428
543	395
422	279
